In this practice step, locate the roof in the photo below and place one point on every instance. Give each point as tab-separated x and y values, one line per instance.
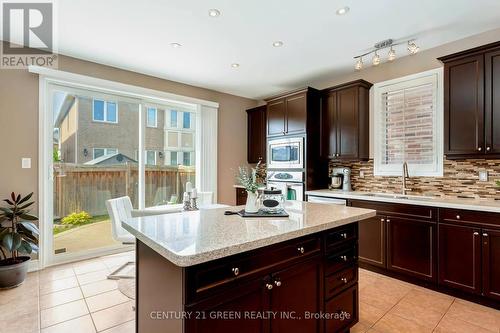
117	158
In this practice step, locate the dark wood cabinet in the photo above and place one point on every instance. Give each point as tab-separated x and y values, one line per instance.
286	284
241	196
276	117
345	121
256	134
472	103
345	307
372	237
460	257
411	247
290	113
491	259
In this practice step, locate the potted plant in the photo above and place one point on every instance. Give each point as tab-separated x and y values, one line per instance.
248	179
18	235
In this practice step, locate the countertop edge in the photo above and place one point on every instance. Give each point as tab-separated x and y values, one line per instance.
192	260
429	203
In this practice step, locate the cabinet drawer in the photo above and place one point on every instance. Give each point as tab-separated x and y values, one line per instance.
338	281
344	308
340	236
214	275
402	210
469	217
341	259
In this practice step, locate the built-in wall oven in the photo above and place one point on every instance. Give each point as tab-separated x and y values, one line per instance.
287	153
291	183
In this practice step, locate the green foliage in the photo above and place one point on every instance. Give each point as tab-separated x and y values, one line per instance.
78	218
248	178
20	234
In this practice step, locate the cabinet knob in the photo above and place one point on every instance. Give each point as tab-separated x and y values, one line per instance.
388	221
277	283
485	234
343	235
382	220
458	217
301	249
479	148
236	271
343	280
343	258
337	155
488	148
476	233
269	286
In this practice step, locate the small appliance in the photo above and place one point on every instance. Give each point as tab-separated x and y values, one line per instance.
291	183
341	179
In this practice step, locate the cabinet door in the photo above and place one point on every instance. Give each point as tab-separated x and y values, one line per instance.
298	289
411	247
276	117
464	106
256	137
347	123
460	257
296	113
345	306
492	102
491	260
372	241
328	126
248	297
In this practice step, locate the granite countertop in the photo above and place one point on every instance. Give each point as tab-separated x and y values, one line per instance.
457	203
191	238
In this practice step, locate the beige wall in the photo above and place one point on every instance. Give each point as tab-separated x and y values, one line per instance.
19	123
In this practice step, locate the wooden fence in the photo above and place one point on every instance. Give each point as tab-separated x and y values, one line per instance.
86	188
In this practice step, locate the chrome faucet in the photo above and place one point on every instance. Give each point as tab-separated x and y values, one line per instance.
405	176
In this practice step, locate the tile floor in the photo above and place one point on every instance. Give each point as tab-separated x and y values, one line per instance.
78	298
388	306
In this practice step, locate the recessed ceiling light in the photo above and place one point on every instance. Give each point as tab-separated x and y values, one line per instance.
278	43
175	45
235	65
214	12
343	10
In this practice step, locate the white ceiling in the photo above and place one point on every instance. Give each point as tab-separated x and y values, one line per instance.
136	35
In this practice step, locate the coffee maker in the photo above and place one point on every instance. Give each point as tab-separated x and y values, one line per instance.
341	179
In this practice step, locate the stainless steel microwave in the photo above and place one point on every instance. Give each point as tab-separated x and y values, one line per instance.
285	153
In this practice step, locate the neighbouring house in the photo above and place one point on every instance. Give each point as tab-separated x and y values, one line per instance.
87	129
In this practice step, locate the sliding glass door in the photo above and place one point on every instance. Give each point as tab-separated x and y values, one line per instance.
105	146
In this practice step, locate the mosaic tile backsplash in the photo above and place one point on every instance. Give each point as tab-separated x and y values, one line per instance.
461	179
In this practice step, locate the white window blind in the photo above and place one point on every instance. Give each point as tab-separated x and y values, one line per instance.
408	112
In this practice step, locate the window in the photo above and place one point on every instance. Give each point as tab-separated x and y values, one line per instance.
186	120
104	111
173	118
186	158
173	158
98	152
408	125
150	157
151	117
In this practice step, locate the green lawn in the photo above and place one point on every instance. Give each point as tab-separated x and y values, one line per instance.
58	228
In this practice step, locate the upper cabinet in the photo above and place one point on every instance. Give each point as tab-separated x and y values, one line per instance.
345	121
288	114
472	103
256	141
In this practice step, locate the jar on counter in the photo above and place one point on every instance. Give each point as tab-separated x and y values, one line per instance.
271	201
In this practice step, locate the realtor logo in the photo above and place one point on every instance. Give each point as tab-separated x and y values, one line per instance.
28	34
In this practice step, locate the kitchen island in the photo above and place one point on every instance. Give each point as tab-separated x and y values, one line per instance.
203	271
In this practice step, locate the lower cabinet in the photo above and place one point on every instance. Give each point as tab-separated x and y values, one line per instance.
460	257
345	306
411	247
491	263
372	241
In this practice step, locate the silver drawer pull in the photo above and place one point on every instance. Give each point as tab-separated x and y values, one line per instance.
269	286
236	271
458	217
485	234
344	258
476	233
382	220
343	235
301	249
343	280
277	283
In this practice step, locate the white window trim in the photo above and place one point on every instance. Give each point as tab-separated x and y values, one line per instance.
379	89
105	111
147	117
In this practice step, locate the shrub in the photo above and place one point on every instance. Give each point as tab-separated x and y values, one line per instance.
76	218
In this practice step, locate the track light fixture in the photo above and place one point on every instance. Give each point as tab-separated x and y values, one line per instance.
412	48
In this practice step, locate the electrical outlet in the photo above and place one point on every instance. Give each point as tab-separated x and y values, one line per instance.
483	176
361	174
26	163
